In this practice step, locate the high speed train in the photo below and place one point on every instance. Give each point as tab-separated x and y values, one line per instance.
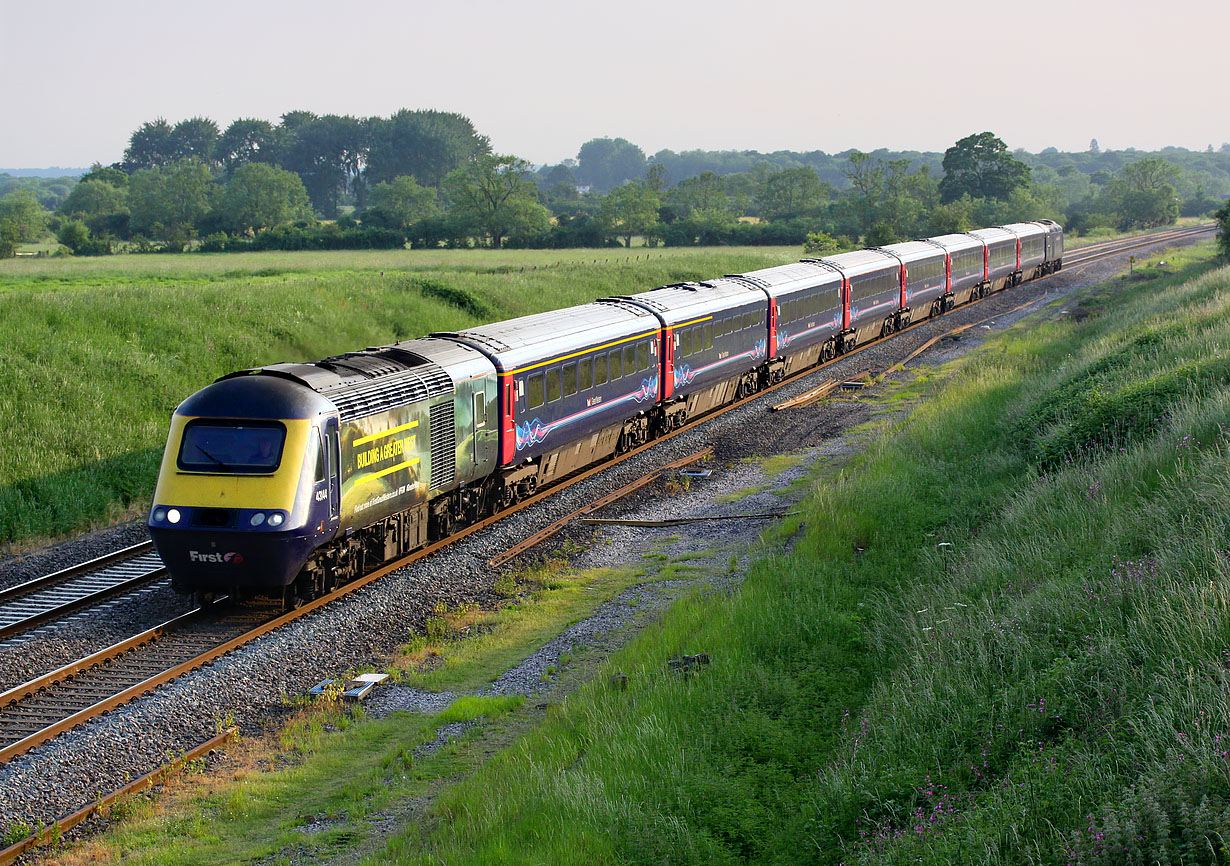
291	478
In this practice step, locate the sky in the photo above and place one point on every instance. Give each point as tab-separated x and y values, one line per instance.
540	77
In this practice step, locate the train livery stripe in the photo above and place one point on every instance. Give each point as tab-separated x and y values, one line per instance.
563	358
363	440
405	464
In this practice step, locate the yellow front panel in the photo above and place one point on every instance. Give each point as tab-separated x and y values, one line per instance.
179	488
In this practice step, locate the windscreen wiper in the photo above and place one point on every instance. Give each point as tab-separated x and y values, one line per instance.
210	456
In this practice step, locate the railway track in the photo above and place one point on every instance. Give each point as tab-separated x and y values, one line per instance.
55	595
37	711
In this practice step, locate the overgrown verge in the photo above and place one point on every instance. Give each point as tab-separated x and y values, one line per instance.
978	651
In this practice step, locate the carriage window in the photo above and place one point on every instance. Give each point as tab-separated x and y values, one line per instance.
586	370
708	336
553	385
570	379
535	391
617	369
600	370
748	320
685	342
480	410
642	355
629	360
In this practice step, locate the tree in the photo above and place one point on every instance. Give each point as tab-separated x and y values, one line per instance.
111	175
10	238
151	146
195	138
792	192
328	153
260	196
1093	146
167	202
247	139
1143	195
1223	221
402	202
706	191
491	196
26	214
631	209
425	145
981	166
608	162
95	198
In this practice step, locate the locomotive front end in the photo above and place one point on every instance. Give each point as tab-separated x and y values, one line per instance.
244	493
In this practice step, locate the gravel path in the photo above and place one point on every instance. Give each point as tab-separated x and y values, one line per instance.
367	627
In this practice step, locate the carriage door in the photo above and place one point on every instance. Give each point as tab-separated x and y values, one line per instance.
480	422
333	464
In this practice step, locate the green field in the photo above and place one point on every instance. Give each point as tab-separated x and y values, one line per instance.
98	352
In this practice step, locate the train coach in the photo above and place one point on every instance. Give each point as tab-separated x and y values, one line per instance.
292	478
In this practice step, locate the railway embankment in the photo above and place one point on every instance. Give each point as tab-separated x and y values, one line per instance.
993	631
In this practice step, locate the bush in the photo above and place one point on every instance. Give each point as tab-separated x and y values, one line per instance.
73	234
819	244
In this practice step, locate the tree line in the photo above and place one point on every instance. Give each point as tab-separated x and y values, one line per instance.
428	178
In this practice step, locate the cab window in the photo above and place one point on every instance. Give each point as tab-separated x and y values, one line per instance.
231	447
319	456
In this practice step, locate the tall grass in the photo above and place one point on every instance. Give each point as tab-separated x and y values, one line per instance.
98	353
978	651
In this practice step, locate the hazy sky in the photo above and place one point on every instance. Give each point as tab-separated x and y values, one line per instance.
541	77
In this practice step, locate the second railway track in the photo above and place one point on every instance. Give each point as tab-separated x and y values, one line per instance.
55	595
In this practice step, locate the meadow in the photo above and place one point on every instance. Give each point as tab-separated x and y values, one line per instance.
99	352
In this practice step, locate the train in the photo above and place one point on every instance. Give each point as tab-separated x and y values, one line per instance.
293	478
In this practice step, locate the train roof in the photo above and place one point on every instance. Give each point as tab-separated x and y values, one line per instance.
993	236
541	337
913	251
358	384
784	279
1026	229
957	242
683	301
242	395
858	262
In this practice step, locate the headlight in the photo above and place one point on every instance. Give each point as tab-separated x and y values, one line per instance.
257	519
173	515
276	519
160	514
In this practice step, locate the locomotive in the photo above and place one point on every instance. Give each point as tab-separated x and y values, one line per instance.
292	478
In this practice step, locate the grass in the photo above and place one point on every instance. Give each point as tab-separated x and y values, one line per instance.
979	656
100	351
